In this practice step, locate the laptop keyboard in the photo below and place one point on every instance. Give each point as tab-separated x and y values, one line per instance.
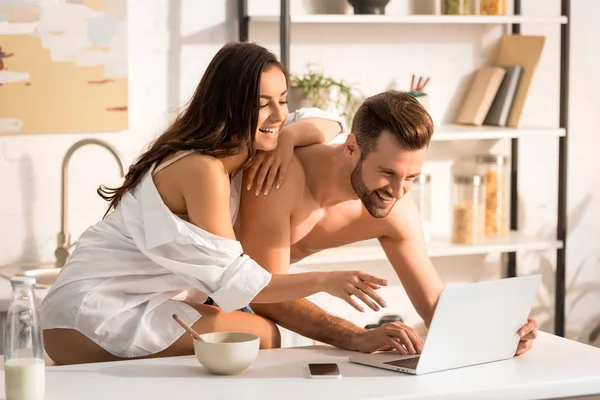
405	362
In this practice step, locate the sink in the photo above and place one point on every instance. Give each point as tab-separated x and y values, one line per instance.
44	277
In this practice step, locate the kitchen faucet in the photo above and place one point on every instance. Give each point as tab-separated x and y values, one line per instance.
64	238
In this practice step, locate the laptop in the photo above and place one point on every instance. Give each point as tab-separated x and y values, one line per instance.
473	323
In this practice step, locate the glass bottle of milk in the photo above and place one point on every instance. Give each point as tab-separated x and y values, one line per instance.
24	367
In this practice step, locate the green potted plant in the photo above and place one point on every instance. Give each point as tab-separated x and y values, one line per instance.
315	89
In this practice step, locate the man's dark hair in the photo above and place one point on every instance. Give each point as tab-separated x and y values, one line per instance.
396	112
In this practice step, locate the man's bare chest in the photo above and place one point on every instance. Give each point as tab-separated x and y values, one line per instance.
314	229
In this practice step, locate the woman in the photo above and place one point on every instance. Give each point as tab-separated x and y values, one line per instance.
167	239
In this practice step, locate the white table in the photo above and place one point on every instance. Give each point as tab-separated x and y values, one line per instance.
556	367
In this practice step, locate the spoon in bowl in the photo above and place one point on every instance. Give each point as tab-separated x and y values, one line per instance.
188	328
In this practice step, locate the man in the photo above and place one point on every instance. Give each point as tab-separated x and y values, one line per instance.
340	194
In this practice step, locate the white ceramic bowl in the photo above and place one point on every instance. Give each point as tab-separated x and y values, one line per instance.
227	353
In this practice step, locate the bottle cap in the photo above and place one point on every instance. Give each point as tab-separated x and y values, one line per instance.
22	280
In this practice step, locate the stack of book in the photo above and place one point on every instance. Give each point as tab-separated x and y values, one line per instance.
497	94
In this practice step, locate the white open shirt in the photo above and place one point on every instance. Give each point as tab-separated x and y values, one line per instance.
119	284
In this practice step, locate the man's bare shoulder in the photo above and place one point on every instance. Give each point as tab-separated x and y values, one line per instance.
404	222
286	197
295	179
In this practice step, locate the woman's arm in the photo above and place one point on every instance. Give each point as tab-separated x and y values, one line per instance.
286	287
341	284
302	128
313	126
311	130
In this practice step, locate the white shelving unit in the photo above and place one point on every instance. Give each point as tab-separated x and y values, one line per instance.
370	250
411	19
463	132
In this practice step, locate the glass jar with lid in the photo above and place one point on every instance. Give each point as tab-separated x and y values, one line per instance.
456	7
495	169
468	209
492	7
421	193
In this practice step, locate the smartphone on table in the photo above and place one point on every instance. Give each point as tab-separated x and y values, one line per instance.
324	370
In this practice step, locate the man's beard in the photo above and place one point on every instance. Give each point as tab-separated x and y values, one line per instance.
366	196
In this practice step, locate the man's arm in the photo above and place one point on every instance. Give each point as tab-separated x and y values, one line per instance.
309	320
265	236
404	246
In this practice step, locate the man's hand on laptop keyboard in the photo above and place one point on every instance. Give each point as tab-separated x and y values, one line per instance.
393	335
528	334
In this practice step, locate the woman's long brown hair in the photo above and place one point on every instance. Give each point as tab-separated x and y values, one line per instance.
220	120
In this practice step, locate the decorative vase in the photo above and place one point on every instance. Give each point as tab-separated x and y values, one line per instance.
369	6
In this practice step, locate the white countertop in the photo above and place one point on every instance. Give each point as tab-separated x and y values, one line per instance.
555	367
